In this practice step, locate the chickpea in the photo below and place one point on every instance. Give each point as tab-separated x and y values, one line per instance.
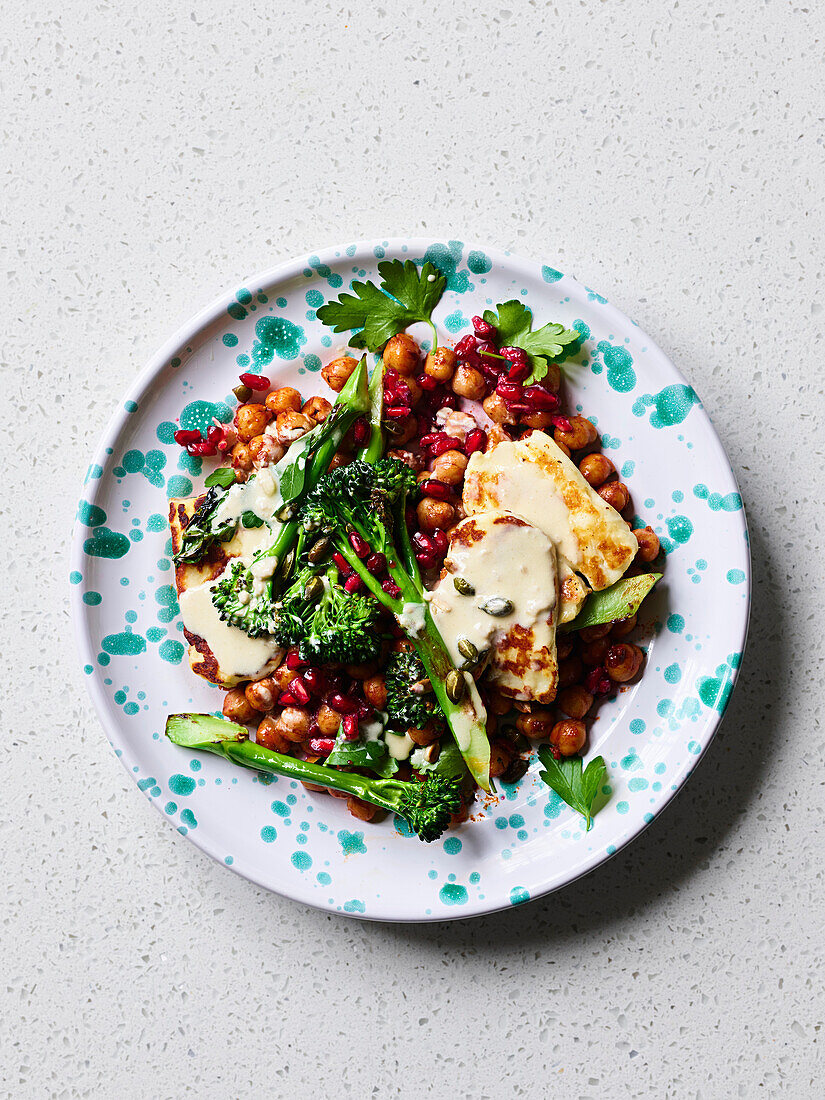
470	383
498	703
404	430
648	542
340	458
564	646
265	449
317	409
282	677
552	380
622	661
236	707
501	756
615	493
569	736
241	457
401	354
295	723
364	811
256	447
622	627
336	374
565	450
570	671
582	433
449	467
596	469
290	426
440	364
538	418
261	694
593	633
425	735
535	725
362	671
271	735
492	724
283	400
497	410
594	652
575	701
434	514
375	691
251	420
329	720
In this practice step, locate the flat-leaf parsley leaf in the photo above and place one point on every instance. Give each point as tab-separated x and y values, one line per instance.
576	787
514	323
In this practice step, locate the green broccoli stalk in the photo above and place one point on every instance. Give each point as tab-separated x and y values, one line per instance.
374	447
405	706
327	624
364	502
427	806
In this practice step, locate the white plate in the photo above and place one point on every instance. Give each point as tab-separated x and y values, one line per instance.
306	846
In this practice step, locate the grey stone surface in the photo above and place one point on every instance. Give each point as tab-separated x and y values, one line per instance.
669	154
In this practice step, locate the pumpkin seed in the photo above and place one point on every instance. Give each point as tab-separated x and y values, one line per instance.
467	649
320	550
314	589
497	606
287	563
286	512
463	587
455	686
422	687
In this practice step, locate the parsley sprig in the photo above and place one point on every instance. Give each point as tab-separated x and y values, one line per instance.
576	787
514	323
376	313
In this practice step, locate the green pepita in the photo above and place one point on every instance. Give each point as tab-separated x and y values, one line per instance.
314	589
455	686
286	512
497	606
467	649
463	587
320	550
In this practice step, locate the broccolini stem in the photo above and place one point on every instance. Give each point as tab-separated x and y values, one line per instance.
374	448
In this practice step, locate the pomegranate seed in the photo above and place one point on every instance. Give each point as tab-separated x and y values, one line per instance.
315	680
476	441
205	449
360	430
298	689
483	329
287	699
365	710
426	383
255	381
426	560
353	584
350	727
432	487
489	351
449	401
562	423
396	412
215	434
360	547
515	355
321	746
342	563
344	704
447	443
518	372
184	436
440	542
541	398
597	682
293	661
376	563
510	391
421	541
315	730
466	346
391	588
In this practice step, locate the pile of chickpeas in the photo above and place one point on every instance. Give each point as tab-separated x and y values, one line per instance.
593	663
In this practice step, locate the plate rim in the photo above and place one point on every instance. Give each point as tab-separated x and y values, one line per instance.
142	384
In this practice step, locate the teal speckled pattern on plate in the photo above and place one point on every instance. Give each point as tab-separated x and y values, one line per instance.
304	845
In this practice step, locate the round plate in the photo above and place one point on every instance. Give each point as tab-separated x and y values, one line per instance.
307	846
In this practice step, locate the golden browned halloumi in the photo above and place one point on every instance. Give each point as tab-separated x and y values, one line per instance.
222	654
533	478
507	570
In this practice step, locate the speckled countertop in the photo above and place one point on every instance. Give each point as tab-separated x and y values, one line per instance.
669	154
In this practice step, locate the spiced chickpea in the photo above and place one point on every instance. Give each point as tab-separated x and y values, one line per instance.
575	701
552	380
538	418
364	811
571	671
284	399
536	724
256	447
295	723
401	354
251	420
596	469
449	467
569	736
441	364
271	735
282	677
434	515
290	426
582	433
648	542
469	382
404	430
498	703
425	735
497	410
336	373
615	493
329	720
261	694
593	633
623	627
564	646
237	708
340	458
622	661
501	756
375	691
593	653
241	457
317	409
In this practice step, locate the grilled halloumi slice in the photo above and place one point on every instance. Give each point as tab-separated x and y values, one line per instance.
533	478
506	600
220	653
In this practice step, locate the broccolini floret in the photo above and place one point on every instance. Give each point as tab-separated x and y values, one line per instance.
240	605
405	706
326	623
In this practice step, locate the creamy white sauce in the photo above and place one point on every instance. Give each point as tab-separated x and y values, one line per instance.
412	619
399	745
260	494
463	721
238	655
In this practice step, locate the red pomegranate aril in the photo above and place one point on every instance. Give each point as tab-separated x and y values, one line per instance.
422	542
597	682
350	727
540	398
255	381
321	746
518	372
483	329
449	401
202	450
396	412
476	441
426	560
365	710
287	699
510	391
426	383
391	588
314	680
183	436
293	661
342	563
562	423
344	704
360	547
214	434
298	689
466	346
515	355
440	542
446	443
353	584
489	352
360	430
436	489
376	563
